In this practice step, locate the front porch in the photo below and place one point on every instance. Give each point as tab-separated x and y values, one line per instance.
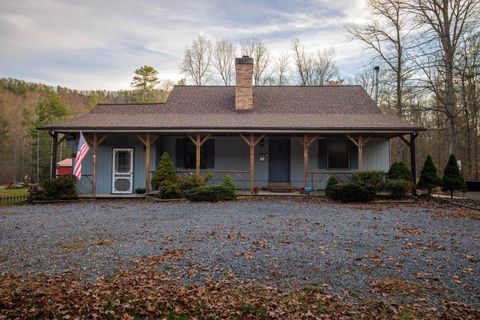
117	161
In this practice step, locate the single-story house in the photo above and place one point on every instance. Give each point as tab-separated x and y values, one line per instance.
276	136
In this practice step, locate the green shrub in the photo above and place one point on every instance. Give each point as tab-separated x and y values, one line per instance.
229	183
140	190
399	170
332	181
165	171
54	189
190	181
429	178
353	192
452	179
368	177
398	188
210	193
170	190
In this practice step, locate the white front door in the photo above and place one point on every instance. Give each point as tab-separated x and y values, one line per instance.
122	175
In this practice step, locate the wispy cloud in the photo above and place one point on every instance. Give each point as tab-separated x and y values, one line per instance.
97	44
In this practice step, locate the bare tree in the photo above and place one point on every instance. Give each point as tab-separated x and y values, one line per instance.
387	36
446	22
224	60
313	69
304	63
282	63
325	67
197	60
258	50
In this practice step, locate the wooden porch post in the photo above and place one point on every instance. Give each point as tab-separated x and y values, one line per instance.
411	145
147	142
252	142
53	155
413	157
147	163
198	142
94	164
360	143
197	154
360	153
306	142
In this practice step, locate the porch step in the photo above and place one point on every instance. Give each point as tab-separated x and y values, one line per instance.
283	187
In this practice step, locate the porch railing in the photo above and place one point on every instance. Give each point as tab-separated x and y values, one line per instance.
241	178
318	179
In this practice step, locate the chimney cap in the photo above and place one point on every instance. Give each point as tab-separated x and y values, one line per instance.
244	60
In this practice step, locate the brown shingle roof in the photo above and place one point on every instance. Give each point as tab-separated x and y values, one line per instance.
275	108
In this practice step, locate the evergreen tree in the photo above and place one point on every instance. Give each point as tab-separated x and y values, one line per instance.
429	178
50	108
144	82
399	170
452	179
164	172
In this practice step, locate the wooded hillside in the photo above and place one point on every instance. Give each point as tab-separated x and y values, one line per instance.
24	106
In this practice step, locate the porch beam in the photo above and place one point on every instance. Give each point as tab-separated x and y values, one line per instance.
103	138
306	142
405	140
94	164
59	142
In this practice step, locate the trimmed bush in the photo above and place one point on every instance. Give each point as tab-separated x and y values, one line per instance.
170	190
210	193
368	177
452	179
332	181
229	183
429	178
59	188
398	188
188	182
353	192
399	170
165	171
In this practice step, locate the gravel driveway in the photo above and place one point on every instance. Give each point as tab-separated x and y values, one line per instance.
285	243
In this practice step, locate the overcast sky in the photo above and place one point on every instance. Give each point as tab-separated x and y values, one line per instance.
97	44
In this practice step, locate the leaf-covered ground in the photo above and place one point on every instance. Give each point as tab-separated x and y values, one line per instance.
240	260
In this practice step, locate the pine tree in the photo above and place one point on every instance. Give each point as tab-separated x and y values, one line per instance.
399	170
164	172
452	179
429	178
144	82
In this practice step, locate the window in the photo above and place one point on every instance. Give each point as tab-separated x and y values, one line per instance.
186	154
337	154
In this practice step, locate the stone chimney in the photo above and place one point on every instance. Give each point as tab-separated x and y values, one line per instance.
243	87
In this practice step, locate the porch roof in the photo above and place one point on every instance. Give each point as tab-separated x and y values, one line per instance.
276	109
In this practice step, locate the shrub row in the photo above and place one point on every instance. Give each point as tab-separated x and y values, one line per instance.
364	185
60	188
192	187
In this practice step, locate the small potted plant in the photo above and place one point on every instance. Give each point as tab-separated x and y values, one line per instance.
256	189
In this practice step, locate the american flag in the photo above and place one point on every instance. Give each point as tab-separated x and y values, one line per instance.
82	151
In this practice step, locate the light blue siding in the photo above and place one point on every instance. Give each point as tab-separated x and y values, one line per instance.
231	157
105	164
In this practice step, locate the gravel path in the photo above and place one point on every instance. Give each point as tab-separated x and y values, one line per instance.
286	243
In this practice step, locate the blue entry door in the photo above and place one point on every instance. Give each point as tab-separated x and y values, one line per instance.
279	159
